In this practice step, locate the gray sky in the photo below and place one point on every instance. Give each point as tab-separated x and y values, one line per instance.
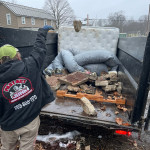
99	9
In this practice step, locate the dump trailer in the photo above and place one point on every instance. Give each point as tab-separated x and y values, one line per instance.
133	54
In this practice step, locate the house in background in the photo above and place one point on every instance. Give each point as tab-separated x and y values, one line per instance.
19	16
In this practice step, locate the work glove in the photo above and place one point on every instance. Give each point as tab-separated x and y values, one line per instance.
58	71
46	27
49	72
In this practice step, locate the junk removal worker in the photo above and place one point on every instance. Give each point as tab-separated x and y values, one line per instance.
23	93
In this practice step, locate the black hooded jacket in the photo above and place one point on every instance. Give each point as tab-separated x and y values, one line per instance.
23	89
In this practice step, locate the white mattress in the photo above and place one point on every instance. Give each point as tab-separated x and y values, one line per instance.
88	39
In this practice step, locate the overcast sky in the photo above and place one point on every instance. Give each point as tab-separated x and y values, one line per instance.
99	9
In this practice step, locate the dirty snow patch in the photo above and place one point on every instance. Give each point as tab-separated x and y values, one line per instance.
47	138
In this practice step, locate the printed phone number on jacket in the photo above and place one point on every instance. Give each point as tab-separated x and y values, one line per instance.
25	103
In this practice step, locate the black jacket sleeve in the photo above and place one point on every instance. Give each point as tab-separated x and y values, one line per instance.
38	54
1	108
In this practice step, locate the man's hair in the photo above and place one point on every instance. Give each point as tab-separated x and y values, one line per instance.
6	59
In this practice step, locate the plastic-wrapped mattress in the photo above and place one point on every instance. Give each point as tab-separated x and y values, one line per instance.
103	38
88	47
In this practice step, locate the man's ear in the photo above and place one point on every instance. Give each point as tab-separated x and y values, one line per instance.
18	56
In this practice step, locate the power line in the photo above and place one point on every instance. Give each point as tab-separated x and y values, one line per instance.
85	19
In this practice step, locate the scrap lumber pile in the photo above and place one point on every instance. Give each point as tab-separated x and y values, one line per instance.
103	88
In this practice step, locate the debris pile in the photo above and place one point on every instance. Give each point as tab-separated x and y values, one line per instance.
88	86
103	88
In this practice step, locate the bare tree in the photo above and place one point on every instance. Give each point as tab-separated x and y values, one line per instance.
102	22
117	19
136	26
61	11
130	26
14	1
144	23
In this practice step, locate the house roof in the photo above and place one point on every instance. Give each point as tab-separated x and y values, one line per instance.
20	10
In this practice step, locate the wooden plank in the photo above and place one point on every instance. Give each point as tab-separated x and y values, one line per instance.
96	97
61	93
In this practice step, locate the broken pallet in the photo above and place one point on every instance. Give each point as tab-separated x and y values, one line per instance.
96	97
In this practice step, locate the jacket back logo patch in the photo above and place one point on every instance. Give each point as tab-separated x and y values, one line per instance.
17	89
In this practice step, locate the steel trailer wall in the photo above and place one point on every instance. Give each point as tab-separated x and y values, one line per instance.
24	41
143	87
130	53
134	54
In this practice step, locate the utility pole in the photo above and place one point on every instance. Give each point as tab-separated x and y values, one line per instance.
148	22
87	20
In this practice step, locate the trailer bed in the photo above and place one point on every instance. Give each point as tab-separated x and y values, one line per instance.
67	109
